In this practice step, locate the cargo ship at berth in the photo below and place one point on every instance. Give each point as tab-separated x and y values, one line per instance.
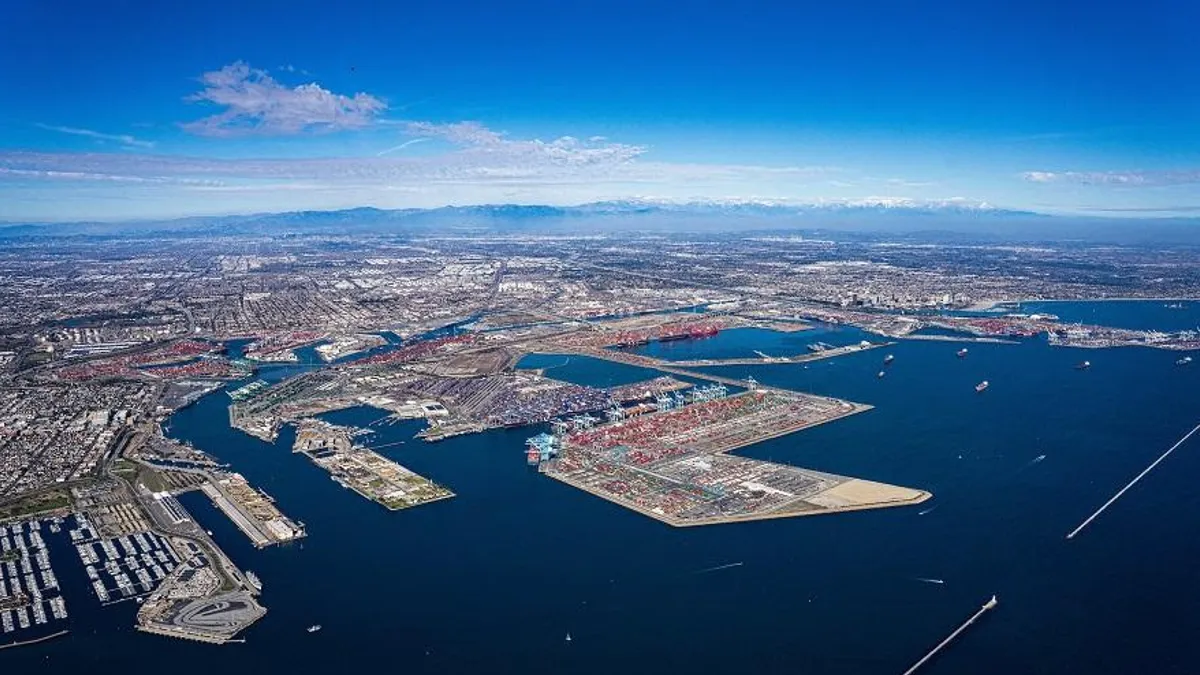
692	332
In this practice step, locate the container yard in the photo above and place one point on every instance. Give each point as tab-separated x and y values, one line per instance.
648	389
672	464
280	346
511	399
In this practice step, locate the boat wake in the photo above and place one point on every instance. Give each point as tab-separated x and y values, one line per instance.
719	567
1036	460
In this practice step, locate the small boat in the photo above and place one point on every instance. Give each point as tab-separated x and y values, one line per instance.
962	353
1083	365
981	386
1184	361
888	359
568	637
881	374
313	628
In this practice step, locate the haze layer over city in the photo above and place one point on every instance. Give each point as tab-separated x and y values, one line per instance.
843	338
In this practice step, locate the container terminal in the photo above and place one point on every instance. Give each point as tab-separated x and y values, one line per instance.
673	464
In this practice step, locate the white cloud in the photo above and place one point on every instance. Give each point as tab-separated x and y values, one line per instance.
485	144
253	102
123	139
471	163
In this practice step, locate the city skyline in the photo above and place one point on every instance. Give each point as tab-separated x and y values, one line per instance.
415	109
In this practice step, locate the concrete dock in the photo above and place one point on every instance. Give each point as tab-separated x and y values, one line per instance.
987	606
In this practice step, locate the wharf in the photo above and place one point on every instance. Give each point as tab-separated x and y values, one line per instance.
674	465
367	473
801	358
251	511
684	368
962	338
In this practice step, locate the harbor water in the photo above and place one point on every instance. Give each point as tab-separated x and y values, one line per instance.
493	580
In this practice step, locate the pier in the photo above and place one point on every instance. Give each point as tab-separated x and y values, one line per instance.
989	605
771	360
34	641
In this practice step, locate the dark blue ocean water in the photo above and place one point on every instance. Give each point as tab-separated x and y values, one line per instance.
1165	315
492	580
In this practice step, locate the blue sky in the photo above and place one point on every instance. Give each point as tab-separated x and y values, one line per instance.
150	109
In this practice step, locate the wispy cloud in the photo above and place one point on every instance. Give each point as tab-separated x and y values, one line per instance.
1116	178
397	148
253	102
66	175
123	139
1166	208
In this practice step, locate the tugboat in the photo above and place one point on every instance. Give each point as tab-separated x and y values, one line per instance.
981	386
1083	366
1184	361
962	353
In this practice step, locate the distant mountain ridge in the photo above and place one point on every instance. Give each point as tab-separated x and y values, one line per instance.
887	216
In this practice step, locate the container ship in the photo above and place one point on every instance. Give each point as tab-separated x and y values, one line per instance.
691	332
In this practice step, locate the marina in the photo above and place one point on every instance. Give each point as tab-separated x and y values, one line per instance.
31	600
122	568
